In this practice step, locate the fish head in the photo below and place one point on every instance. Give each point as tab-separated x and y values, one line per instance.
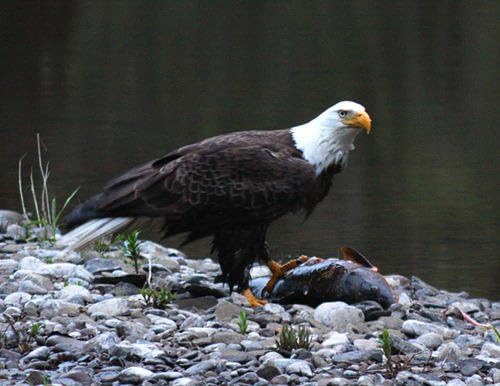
364	284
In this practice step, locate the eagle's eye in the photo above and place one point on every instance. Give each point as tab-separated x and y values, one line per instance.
342	113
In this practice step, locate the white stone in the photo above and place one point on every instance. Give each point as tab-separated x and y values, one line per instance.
8	266
335	338
134	374
456	382
404	299
274	308
416	328
17	298
31	263
73	293
430	340
299	367
447	351
491	350
143	349
367	344
110	307
338	315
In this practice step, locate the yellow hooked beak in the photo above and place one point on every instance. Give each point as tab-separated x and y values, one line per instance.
361	121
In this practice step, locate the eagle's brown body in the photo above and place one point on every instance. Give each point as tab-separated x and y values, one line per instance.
231	186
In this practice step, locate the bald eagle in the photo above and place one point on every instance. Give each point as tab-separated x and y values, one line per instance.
231	187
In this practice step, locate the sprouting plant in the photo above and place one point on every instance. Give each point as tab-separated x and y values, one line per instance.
157	298
24	336
46	381
46	211
291	339
496	333
49	260
132	248
243	322
393	367
102	246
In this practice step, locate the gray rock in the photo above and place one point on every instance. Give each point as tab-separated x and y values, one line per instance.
102	342
185	381
66	271
358	356
456	382
9	217
268	371
495	375
448	351
338	315
431	340
201	367
32	288
108	376
475	380
8	267
40	353
31	263
470	366
235	356
335	338
143	350
17	299
54	307
64	343
491	350
416	328
110	307
166	376
75	294
16	232
299	367
134	375
99	265
227	337
226	311
274	308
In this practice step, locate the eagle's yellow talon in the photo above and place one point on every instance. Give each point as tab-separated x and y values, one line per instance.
278	270
252	300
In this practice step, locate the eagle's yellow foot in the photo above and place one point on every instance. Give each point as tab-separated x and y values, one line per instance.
254	302
278	270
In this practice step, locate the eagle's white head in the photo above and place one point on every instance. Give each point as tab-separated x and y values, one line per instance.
328	138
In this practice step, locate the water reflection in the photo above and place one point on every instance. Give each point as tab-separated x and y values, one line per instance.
112	84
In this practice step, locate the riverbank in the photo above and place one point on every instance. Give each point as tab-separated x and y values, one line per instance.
81	319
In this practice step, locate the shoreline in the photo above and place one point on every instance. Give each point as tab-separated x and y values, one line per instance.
81	319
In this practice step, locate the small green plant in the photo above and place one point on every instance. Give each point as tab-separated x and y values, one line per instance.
132	248
46	211
243	322
49	260
393	367
102	246
496	333
291	339
157	298
24	335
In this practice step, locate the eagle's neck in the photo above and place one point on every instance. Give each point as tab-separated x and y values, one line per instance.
323	142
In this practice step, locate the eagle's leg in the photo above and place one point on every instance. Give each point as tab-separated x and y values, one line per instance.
278	270
252	299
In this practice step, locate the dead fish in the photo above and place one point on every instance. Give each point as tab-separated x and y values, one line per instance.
352	279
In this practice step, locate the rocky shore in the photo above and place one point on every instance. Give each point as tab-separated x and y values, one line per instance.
82	319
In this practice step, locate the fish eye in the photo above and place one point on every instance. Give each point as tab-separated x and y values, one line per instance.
342	113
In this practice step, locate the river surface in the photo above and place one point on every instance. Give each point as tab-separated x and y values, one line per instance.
109	85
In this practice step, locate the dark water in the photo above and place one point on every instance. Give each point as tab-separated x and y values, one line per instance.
112	84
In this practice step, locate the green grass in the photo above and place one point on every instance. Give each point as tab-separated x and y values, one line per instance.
157	298
243	322
131	246
291	339
46	212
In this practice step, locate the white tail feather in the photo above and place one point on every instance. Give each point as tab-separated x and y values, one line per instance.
93	230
